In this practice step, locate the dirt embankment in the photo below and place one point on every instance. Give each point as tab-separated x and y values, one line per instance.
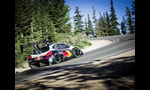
114	73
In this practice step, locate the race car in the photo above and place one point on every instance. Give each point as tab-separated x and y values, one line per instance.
52	54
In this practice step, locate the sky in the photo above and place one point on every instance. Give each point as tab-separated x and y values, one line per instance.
85	6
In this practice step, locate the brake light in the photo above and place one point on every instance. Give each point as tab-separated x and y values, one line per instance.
38	58
49	53
30	57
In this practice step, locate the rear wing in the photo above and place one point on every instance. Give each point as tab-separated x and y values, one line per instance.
34	45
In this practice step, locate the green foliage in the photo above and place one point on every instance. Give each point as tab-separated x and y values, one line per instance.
103	26
123	26
90	26
94	16
113	21
37	20
95	21
78	21
61	17
129	20
21	58
86	28
133	8
78	40
18	56
108	25
133	15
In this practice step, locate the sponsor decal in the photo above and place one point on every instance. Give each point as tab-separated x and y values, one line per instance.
51	59
67	53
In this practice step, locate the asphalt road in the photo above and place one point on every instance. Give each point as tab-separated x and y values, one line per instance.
120	44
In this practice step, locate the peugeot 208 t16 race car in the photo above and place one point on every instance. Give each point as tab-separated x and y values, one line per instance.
53	54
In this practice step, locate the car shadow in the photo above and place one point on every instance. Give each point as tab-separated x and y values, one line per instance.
114	74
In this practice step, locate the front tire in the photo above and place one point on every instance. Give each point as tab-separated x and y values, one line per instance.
76	52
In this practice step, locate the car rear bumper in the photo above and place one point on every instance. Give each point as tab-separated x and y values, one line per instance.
37	61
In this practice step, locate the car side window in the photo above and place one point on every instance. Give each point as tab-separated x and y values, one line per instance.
60	46
63	46
56	47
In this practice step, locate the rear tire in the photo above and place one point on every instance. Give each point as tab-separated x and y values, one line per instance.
57	58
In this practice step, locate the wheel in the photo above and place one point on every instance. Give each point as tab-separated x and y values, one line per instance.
57	58
81	53
76	52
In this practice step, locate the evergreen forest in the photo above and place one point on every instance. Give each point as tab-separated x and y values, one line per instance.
38	20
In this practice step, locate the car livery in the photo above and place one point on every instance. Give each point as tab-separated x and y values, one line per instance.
53	54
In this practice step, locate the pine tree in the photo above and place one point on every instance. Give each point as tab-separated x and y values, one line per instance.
102	25
123	26
90	26
108	25
58	12
66	28
18	17
99	31
133	8
94	16
24	13
22	22
95	20
22	29
86	27
129	20
113	20
78	21
133	15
